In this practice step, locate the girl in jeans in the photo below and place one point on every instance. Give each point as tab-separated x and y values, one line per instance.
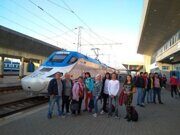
113	89
96	93
105	93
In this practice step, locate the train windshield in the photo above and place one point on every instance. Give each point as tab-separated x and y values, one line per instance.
58	57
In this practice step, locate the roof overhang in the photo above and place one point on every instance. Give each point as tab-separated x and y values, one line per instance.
13	40
160	21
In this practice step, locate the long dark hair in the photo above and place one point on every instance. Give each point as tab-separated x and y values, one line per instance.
127	80
87	73
106	77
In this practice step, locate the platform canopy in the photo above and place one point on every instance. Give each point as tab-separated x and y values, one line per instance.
13	40
160	21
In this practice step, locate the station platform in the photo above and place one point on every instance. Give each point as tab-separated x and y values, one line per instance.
154	119
9	81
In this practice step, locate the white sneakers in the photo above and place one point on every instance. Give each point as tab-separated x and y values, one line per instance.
102	112
95	115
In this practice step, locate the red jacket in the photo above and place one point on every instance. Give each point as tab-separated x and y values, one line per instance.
173	81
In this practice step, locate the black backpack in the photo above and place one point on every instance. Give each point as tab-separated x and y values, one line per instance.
134	114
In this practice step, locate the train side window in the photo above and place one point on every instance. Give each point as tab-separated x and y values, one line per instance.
72	60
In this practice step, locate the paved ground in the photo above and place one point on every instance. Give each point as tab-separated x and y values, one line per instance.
154	120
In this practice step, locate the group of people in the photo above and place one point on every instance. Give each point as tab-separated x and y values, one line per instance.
69	95
149	86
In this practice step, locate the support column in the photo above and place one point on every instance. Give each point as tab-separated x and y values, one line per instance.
21	68
1	67
40	62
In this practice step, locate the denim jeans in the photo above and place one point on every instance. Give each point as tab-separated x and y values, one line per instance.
139	96
111	100
150	96
52	101
157	91
96	104
144	95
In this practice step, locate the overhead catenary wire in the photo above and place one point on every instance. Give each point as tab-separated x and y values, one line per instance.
80	19
38	17
54	18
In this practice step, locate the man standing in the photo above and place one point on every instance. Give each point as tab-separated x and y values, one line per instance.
67	93
157	88
145	90
55	89
140	86
174	84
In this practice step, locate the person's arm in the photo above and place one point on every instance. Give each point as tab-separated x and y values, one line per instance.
50	88
100	88
117	88
109	88
74	92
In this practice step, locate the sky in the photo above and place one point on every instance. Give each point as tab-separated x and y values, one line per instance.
102	22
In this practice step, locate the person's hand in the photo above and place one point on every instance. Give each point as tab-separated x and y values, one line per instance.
112	96
52	96
89	92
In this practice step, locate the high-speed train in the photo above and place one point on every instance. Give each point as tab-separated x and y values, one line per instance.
62	61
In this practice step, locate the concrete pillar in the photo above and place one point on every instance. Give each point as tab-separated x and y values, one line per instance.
40	62
1	67
21	68
147	63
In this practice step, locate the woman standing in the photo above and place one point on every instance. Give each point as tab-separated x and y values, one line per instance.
77	95
96	93
104	92
113	89
129	89
89	85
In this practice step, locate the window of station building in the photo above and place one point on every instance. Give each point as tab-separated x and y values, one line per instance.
165	67
72	60
58	57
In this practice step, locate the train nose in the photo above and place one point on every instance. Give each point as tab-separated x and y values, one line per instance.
33	84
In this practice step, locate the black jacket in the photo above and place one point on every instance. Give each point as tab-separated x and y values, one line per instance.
53	87
149	84
140	82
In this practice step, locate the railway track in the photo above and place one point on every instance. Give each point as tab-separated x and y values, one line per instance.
20	105
11	89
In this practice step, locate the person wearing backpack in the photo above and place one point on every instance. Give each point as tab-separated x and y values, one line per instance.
96	93
113	89
55	89
89	86
128	89
77	96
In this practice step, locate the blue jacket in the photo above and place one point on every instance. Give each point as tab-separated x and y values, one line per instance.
89	83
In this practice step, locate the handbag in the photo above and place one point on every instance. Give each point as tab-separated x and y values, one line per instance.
74	105
91	104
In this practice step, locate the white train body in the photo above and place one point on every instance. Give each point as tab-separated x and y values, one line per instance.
62	61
